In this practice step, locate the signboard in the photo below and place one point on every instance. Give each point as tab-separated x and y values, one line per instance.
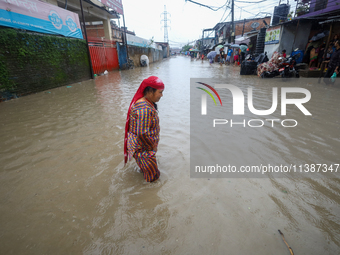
272	36
40	17
114	4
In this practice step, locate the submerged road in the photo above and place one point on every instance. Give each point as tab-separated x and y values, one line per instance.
64	188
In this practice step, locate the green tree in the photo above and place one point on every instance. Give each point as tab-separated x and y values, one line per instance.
151	41
186	47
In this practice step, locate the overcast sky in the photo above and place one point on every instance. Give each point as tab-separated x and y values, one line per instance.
186	20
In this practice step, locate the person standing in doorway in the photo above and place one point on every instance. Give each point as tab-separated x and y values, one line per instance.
333	64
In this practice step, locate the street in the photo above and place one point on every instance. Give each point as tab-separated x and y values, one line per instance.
64	188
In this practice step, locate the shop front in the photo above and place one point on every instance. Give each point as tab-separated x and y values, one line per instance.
312	38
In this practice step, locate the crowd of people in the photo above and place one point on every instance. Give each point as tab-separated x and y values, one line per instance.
232	55
320	57
316	53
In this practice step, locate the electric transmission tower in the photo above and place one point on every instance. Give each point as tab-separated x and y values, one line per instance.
165	20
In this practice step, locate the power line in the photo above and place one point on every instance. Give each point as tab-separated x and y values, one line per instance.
220	21
209	7
251	2
266	6
243	9
223	15
260	6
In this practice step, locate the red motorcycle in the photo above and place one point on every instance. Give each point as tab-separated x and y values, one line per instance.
288	68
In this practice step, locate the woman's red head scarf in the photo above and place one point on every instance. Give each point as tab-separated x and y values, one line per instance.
153	82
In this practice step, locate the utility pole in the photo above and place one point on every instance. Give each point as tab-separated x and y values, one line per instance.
232	23
125	39
165	20
87	42
202	45
244	22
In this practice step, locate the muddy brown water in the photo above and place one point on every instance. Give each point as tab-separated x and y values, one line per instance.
64	188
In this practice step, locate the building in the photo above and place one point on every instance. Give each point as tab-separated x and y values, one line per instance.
208	43
222	30
319	23
94	12
317	17
245	30
96	29
316	8
175	50
165	47
53	31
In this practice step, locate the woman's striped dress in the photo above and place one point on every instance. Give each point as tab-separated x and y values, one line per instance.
143	138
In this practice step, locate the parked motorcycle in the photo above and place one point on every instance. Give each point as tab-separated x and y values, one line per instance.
288	68
249	65
272	74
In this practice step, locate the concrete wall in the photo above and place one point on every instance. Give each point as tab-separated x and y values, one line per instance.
291	31
301	39
287	38
166	52
135	53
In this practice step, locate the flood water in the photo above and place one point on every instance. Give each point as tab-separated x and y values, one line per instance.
64	188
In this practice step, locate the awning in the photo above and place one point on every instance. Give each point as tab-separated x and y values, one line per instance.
232	45
329	21
246	36
251	34
242	39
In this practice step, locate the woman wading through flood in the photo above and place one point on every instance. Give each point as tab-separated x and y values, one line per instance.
142	128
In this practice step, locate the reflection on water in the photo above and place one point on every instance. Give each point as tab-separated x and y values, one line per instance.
64	189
